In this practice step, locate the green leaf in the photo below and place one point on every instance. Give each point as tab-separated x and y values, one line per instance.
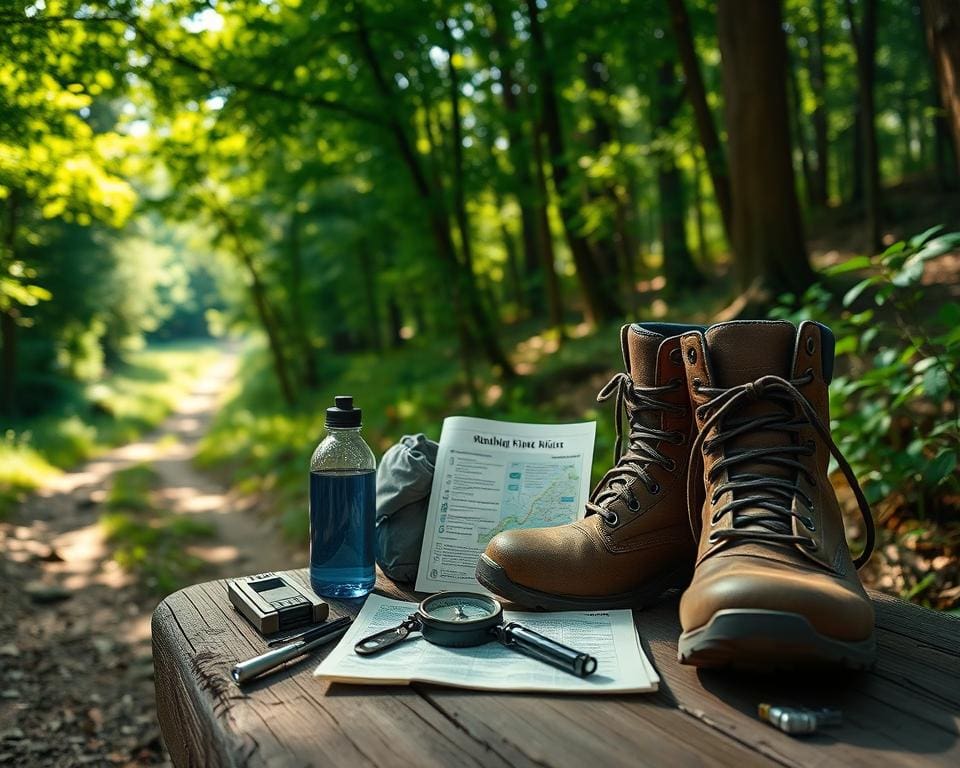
911	273
854	293
894	249
941	468
936	383
850	265
918	240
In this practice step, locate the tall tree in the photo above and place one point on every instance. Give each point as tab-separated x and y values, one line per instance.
769	248
941	20
600	304
818	84
541	284
468	303
678	267
706	128
864	37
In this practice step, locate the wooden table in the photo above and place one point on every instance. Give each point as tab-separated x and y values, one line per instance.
905	712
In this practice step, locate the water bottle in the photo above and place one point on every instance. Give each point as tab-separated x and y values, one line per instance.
342	507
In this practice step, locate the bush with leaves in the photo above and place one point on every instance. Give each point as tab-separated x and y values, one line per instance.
895	401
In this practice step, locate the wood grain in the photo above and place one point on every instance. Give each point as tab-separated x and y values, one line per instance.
905	712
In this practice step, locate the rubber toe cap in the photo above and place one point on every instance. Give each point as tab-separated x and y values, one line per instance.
834	606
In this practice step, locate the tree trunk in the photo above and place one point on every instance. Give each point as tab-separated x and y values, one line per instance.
706	127
699	223
9	363
678	266
534	264
941	19
599	305
261	304
547	254
308	354
514	280
818	82
906	121
769	247
465	297
864	39
796	115
615	250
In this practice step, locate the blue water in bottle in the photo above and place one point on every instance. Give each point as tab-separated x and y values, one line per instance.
342	507
342	517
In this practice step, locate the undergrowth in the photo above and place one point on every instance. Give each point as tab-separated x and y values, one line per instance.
131	400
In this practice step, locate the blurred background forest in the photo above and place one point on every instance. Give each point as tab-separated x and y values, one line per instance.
450	208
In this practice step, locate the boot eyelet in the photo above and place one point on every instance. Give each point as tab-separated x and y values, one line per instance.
712	538
671	465
810	345
808	523
691	355
633	505
654	489
611	520
810	545
697	384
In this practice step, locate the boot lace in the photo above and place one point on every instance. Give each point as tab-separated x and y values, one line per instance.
642	441
764	502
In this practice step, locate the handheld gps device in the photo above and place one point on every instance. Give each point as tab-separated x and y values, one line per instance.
275	603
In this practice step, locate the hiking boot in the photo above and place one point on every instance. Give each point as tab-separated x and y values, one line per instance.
634	542
774	583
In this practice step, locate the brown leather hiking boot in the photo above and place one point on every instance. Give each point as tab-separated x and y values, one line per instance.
774	583
634	542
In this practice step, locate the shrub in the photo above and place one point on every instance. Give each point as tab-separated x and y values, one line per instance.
895	403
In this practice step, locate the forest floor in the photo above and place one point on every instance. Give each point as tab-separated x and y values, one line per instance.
76	674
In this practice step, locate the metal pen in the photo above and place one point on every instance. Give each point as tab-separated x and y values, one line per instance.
245	671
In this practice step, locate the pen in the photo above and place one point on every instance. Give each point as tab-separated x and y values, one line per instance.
247	670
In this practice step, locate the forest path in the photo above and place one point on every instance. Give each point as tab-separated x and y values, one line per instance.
76	674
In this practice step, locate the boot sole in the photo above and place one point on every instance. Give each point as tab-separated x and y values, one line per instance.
494	578
769	639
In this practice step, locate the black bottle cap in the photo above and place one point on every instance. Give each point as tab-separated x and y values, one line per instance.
343	414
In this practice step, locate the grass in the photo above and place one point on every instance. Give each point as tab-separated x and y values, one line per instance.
148	540
131	400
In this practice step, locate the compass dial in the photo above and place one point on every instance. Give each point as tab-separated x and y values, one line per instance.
459	607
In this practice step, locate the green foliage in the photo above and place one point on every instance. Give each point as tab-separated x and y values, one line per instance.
22	469
88	419
895	406
147	540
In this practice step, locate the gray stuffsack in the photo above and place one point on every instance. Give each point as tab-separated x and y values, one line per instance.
404	480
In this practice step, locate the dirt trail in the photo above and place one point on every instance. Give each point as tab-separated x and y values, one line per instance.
76	683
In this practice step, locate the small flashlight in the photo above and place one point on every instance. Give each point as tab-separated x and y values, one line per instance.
797	721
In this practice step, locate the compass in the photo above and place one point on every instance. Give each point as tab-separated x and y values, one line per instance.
463	619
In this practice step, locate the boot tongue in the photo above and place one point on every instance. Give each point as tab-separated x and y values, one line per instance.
741	352
640	355
744	351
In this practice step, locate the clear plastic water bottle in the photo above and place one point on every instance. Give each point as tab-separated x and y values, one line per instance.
342	507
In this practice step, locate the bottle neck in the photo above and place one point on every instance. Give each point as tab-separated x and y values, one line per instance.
342	430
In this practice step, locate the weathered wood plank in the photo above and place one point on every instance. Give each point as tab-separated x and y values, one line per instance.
906	712
288	717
